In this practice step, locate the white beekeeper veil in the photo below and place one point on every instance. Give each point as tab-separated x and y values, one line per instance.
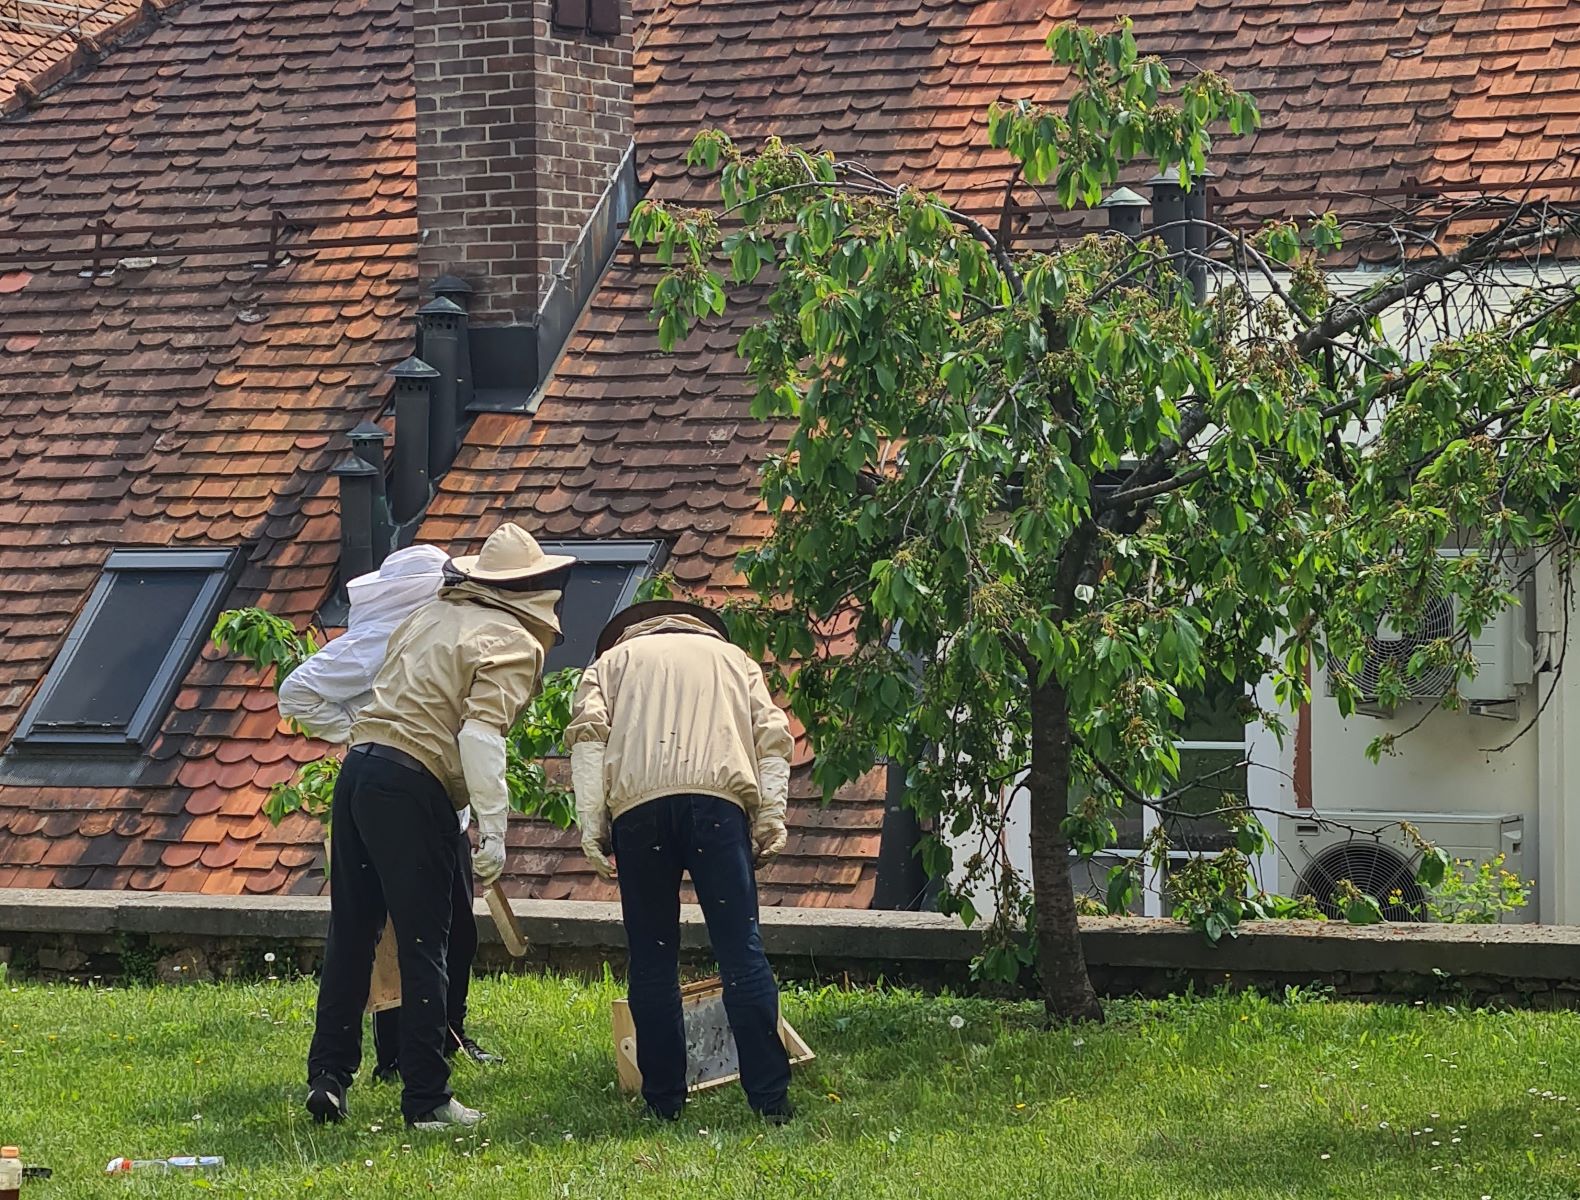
382	599
329	688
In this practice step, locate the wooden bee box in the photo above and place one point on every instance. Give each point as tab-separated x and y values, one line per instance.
711	1059
384	991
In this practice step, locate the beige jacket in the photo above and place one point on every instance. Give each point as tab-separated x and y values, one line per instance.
681	710
474	654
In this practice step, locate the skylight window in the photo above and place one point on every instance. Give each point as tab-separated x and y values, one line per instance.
602	582
131	646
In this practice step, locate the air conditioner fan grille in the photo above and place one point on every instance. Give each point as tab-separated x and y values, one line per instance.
1379	871
1390	645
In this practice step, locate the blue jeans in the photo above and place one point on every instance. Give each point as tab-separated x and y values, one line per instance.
709	838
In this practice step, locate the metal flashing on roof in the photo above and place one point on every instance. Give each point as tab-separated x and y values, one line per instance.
504	367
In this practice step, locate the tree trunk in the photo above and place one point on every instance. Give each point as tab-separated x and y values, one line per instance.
1061	964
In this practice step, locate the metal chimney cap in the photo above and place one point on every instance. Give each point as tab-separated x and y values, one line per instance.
1123	197
414	368
353	466
439	306
451	285
1172	178
368	431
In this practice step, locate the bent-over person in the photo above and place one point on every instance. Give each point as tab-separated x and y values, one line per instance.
680	761
325	694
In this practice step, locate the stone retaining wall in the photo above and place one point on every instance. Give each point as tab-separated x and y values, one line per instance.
171	938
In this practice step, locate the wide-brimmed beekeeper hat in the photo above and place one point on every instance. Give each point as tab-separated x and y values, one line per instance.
510	555
647	610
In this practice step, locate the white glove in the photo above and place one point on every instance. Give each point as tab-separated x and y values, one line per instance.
488	860
592	813
768	822
483	765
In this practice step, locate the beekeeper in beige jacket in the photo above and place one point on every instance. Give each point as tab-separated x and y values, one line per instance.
457	675
681	763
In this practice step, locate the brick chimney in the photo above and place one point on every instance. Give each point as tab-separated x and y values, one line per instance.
524	168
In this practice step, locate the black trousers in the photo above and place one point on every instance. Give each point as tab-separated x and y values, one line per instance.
393	848
463	949
710	839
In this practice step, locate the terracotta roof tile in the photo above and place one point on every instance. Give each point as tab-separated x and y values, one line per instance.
39	46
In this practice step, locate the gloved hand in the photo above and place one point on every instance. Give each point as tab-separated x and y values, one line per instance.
768	822
592	813
483	765
488	861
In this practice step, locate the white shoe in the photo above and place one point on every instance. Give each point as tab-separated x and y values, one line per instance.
452	1115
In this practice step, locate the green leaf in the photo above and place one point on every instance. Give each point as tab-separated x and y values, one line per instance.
1121	889
1362	909
1250	838
1433	866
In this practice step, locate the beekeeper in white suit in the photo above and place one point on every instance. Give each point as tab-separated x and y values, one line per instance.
458	674
327	691
324	695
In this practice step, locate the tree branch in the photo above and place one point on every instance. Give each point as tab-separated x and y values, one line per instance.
1346	318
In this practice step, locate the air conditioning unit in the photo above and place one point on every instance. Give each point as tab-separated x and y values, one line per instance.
1371	851
1505	661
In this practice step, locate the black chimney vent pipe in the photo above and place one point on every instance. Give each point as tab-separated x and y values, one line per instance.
409	490
1124	208
443	322
1197	202
454	289
356	516
367	443
1182	212
902	882
1168	218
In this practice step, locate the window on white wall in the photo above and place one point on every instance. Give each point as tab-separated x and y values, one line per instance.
1212	750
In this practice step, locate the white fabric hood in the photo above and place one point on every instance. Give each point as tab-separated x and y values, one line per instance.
406	581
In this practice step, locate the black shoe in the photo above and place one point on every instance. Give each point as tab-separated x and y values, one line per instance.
475	1052
387	1073
778	1114
326	1100
663	1114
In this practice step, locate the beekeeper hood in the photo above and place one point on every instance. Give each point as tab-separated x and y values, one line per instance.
325	693
515	575
407	579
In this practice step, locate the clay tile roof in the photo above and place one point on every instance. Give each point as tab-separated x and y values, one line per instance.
180	399
42	43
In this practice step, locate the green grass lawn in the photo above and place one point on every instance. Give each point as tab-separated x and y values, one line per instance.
1230	1096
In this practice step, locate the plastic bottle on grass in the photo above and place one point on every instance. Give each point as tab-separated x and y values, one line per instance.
10	1173
192	1164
